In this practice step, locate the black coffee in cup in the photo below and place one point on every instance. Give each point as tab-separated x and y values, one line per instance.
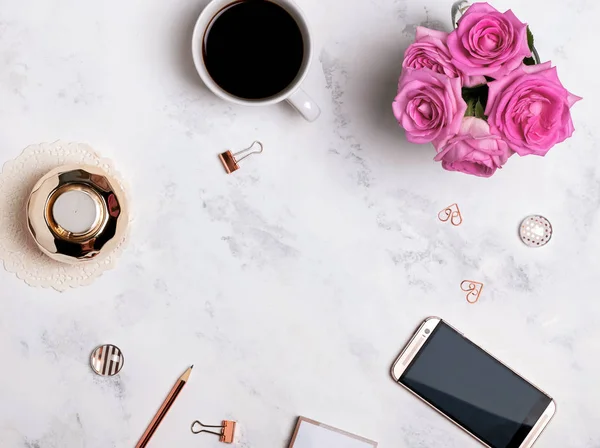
253	49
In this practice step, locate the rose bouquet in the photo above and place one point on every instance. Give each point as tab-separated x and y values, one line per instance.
480	93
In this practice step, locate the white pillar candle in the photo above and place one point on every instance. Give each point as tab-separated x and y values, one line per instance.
75	211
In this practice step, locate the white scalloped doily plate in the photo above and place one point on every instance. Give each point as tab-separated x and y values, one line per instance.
17	248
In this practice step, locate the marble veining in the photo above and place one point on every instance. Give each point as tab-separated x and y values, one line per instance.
292	284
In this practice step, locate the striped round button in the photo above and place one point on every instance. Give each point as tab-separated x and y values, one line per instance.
107	360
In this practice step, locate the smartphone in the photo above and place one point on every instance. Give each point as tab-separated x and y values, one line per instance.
471	388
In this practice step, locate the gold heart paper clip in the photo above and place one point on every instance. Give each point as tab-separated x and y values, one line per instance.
452	214
473	289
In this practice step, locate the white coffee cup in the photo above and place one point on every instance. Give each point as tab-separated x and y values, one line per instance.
293	94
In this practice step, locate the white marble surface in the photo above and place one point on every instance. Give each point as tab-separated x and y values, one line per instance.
293	284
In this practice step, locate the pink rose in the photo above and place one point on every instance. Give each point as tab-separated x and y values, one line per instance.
474	150
430	51
488	42
530	109
429	105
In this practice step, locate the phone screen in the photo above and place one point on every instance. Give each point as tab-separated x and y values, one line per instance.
474	389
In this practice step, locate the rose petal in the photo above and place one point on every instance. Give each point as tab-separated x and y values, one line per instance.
423	32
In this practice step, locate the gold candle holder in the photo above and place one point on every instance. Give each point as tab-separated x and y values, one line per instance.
76	213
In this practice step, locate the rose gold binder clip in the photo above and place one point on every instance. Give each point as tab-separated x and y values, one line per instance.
230	161
473	290
452	214
226	434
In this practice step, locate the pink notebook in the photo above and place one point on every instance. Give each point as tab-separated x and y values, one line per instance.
312	434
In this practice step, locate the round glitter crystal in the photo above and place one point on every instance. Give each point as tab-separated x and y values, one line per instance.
535	231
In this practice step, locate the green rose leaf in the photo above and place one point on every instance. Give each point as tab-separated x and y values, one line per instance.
476	99
535	58
530	39
480	111
470	108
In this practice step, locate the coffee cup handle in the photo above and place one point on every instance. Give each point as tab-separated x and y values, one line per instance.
305	105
